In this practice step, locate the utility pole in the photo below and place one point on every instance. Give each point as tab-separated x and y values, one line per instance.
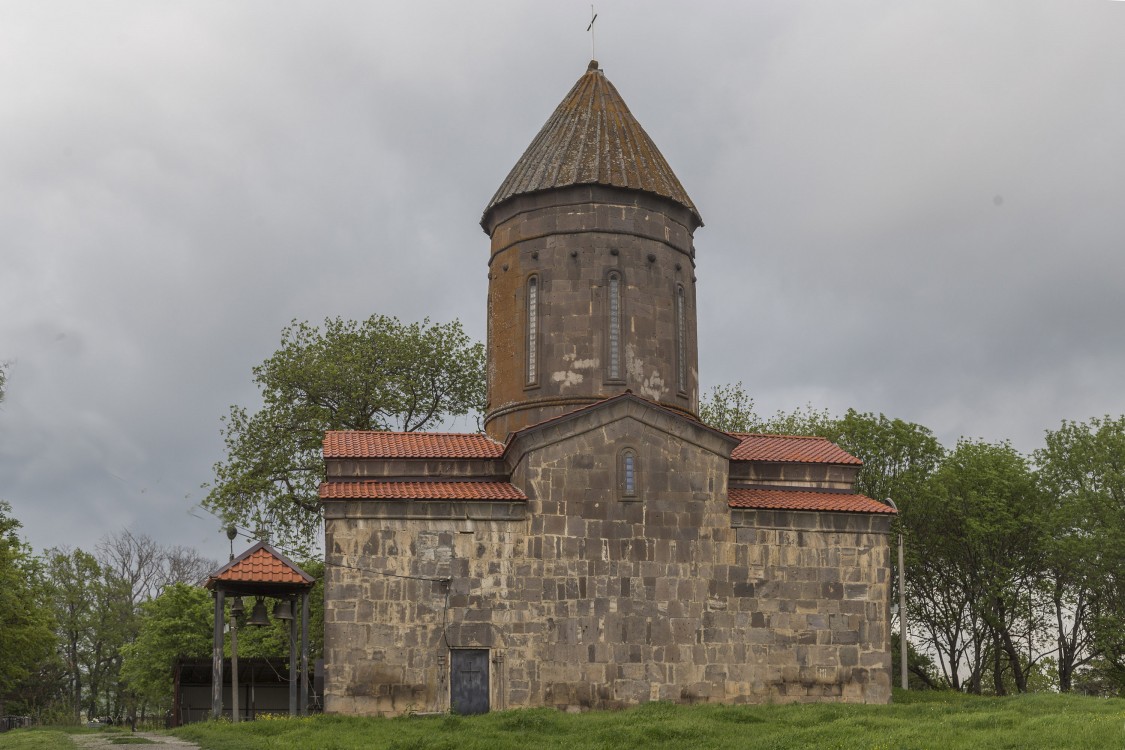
901	604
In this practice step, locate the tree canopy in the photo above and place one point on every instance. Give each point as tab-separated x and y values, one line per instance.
26	625
173	625
1082	468
376	374
729	408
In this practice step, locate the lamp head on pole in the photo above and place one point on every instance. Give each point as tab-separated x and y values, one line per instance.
232	534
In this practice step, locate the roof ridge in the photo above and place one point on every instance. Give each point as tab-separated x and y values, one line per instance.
413	432
376	489
779	435
820	501
387	444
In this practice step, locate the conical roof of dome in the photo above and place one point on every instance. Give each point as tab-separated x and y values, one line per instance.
592	139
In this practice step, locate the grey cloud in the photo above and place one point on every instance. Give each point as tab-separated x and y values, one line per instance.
177	183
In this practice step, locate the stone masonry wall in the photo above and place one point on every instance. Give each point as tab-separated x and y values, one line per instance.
596	601
570	240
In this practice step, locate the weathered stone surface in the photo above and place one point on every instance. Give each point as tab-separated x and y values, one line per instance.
593	594
590	601
570	240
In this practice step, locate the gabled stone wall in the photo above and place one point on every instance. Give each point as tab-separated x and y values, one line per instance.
596	600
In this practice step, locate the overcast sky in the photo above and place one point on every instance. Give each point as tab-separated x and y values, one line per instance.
915	208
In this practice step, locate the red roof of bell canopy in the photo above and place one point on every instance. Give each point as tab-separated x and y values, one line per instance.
363	444
773	499
261	564
377	490
790	449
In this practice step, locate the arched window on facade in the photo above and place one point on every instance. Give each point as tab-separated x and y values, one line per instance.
627	474
613	325
533	330
681	340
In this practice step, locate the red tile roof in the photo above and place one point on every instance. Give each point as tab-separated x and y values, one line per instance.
790	449
740	497
374	490
356	444
261	564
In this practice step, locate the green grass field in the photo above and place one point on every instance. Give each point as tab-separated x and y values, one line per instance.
39	738
917	720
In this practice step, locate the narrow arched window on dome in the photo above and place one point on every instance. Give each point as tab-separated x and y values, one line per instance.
681	341
532	330
627	474
488	345
613	324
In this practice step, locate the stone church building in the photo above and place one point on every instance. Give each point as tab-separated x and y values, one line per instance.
599	546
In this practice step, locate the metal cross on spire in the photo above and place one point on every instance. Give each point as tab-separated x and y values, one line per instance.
590	28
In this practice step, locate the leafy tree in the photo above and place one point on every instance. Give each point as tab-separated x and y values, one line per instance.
97	602
178	623
730	408
26	626
992	542
377	374
1099	677
95	616
113	623
898	456
71	574
1082	469
134	569
922	673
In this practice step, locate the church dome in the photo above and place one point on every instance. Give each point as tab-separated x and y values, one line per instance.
592	139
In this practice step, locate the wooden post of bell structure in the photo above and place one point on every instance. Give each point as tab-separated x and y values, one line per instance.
292	665
305	653
217	659
234	667
902	642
